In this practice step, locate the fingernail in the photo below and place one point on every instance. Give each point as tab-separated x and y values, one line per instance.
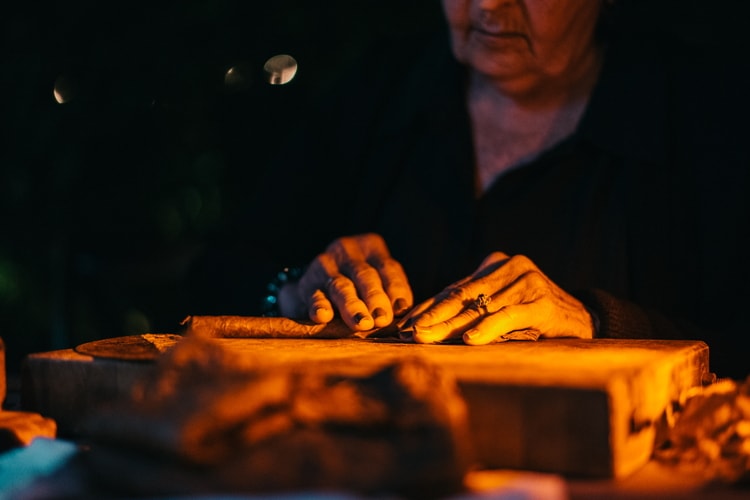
323	314
379	312
470	334
406	334
399	307
363	322
422	333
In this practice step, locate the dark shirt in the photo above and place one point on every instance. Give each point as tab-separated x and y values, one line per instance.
641	214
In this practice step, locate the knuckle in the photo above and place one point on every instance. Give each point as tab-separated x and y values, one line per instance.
390	266
521	261
535	279
494	258
375	295
318	297
337	282
351	303
334	245
361	271
373	238
340	247
336	287
322	264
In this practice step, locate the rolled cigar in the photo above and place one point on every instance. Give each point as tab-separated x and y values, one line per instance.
273	327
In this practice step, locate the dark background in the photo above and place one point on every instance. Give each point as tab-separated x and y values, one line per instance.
107	200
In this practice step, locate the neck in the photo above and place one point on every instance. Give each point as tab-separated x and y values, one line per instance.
504	113
511	129
538	93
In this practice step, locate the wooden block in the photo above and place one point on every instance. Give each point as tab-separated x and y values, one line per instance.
569	406
68	386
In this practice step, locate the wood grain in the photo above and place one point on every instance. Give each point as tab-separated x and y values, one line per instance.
576	407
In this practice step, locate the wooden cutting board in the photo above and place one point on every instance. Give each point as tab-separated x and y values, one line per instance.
575	407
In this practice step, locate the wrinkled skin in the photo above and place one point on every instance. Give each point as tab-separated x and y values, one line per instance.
527	49
357	276
520	298
531	56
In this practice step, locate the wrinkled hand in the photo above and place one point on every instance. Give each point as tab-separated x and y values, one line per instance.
355	276
517	297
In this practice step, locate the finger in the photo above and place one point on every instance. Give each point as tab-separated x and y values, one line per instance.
470	317
518	306
396	286
408	320
313	283
448	304
320	309
449	329
406	324
380	280
369	288
496	273
418	312
323	289
508	319
531	302
343	294
454	327
392	274
491	263
349	253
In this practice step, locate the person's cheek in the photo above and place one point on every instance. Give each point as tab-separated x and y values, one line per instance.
456	13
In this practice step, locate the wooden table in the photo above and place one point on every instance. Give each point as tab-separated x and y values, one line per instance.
575	407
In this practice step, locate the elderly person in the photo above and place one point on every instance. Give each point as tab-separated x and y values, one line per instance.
543	172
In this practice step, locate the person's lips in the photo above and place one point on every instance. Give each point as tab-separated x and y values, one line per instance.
499	33
499	37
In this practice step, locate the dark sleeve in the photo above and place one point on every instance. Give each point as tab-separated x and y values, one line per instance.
621	319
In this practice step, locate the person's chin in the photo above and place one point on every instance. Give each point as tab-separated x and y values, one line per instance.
506	65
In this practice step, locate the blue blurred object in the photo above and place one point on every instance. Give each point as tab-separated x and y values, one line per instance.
22	466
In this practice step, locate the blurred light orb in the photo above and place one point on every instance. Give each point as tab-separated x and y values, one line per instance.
280	69
63	89
238	77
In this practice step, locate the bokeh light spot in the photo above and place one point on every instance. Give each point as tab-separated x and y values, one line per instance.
238	77
280	69
64	89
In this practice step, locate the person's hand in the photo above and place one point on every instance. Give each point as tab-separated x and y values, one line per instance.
355	276
504	295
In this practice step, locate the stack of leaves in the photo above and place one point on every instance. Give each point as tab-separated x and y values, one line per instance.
710	433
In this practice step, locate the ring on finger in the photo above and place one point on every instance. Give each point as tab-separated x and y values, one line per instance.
481	302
